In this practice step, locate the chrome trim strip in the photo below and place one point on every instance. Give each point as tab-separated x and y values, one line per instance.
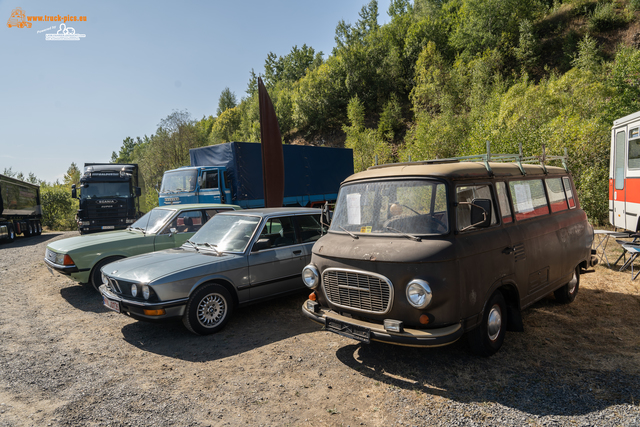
109	295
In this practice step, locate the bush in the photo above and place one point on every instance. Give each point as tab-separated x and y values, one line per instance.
58	208
604	18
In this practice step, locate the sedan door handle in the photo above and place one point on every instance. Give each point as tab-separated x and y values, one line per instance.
298	252
508	250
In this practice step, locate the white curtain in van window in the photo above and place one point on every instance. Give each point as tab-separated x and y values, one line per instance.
523	198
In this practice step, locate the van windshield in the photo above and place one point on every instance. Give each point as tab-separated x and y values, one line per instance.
407	206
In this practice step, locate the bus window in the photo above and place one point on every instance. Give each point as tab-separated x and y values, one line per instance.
619	161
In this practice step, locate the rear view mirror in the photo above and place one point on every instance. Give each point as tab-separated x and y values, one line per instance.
480	213
138	191
74	194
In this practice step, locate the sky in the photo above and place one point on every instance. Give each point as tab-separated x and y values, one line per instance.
133	64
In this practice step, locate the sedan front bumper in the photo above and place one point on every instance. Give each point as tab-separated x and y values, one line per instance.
362	331
139	310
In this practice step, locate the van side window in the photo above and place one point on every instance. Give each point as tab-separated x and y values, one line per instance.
466	194
569	192
503	200
529	200
557	197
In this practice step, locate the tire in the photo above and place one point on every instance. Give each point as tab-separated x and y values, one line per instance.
38	228
12	233
28	232
96	276
486	339
568	292
208	309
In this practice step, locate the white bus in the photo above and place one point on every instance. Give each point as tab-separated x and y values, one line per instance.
624	173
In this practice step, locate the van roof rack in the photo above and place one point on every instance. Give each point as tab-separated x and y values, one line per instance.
518	159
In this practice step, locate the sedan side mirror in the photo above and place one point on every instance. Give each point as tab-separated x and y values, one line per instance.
172	231
261	244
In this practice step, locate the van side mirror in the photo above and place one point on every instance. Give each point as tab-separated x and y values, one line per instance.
74	194
480	213
261	244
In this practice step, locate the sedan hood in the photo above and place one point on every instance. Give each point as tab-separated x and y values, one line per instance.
149	267
83	242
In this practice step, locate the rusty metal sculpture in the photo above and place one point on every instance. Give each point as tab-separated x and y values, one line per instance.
272	157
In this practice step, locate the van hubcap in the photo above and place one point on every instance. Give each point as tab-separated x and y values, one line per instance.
494	322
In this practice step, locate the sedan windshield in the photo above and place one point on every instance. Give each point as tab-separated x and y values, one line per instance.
413	207
153	220
227	232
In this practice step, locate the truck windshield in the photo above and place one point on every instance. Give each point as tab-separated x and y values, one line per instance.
416	207
227	232
153	220
178	181
92	190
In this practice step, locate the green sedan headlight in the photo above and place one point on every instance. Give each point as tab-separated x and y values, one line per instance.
419	293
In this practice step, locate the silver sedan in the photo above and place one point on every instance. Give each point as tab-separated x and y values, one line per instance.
235	259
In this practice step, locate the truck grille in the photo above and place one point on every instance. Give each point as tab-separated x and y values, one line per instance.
358	290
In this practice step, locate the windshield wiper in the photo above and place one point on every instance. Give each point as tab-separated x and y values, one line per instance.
195	246
209	245
348	232
137	228
411	236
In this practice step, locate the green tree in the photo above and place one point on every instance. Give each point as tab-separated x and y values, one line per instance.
226	101
72	176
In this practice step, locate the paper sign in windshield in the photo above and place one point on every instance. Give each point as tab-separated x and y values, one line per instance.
353	208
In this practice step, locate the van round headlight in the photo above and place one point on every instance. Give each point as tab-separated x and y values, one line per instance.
419	293
134	290
145	291
310	276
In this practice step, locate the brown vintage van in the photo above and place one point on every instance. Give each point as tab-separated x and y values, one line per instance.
420	253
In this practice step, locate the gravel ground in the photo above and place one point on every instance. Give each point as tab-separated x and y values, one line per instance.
66	360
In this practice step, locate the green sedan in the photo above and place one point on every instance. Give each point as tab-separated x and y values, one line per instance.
164	227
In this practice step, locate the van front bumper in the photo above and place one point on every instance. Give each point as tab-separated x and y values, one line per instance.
364	331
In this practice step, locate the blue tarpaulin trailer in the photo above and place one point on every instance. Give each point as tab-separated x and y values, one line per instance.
232	173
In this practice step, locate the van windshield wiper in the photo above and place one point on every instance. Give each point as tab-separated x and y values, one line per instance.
193	244
348	232
411	236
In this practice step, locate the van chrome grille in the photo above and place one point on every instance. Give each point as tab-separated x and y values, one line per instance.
358	290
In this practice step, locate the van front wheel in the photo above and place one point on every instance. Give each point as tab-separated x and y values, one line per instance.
487	338
568	292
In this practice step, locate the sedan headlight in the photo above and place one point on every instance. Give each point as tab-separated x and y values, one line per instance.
310	276
145	291
134	290
419	293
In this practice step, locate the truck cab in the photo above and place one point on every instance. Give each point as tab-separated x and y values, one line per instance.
205	184
108	198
